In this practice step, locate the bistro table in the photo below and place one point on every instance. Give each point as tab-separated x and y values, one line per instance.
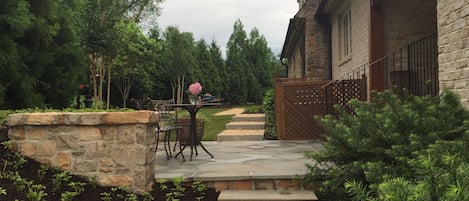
193	109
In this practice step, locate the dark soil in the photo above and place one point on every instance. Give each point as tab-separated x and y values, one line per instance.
17	188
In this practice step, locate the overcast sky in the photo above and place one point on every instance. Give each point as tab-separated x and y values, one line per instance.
214	19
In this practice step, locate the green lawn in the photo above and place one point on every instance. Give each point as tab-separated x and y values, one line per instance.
213	124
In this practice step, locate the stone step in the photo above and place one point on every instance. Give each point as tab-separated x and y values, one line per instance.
241	135
245	125
266	195
249	117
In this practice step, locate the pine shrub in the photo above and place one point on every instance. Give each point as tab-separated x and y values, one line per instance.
385	143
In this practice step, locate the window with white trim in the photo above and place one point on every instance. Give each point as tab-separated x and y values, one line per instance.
345	36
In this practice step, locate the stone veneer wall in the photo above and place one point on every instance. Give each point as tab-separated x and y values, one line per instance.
453	47
317	47
360	13
116	147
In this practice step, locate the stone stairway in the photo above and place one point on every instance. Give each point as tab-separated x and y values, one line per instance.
266	186
267	195
270	188
244	127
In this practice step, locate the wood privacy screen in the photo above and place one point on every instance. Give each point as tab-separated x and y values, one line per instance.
298	101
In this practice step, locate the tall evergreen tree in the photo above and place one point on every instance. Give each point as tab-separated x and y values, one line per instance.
207	70
236	65
262	60
249	66
15	19
160	84
44	62
219	63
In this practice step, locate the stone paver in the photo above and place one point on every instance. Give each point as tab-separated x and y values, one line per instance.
239	160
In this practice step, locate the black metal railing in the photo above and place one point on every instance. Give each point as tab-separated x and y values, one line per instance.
413	68
352	85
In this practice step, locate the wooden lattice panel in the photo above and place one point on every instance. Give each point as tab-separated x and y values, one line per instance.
298	102
302	103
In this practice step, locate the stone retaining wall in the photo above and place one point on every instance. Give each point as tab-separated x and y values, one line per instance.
117	148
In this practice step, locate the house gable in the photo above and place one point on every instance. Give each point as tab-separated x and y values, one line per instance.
307	46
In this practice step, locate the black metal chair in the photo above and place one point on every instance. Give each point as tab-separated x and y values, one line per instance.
142	104
168	122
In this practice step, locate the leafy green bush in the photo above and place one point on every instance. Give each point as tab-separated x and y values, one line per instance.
253	109
268	107
384	140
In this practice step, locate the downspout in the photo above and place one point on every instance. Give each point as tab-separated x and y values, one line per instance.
329	41
303	53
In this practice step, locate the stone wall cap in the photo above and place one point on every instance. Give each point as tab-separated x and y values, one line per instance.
82	118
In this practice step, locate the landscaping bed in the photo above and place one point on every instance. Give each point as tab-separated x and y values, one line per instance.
34	181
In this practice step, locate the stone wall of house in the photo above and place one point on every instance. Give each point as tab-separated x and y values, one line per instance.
295	64
453	47
360	14
406	22
315	64
117	147
317	47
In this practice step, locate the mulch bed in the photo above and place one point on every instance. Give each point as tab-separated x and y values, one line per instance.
29	172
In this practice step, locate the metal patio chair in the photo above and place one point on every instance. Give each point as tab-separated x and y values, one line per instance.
168	123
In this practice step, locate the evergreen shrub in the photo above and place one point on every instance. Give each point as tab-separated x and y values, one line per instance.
270	122
393	143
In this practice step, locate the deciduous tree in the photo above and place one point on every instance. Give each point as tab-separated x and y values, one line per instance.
178	58
135	53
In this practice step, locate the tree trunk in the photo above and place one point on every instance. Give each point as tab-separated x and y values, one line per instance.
93	72
180	88
173	88
101	79
108	95
178	98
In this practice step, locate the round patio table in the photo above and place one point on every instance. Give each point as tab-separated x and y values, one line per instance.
193	109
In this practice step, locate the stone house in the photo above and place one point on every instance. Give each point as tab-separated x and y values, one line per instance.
421	45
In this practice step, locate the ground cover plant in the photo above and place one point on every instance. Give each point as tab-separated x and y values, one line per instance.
253	109
395	148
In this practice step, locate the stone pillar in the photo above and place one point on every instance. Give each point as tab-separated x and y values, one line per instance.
317	44
118	148
453	47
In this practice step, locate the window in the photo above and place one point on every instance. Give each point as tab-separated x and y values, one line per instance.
345	40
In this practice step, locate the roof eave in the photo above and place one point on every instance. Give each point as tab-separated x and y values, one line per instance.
295	29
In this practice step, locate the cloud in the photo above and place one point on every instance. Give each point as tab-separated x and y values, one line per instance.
214	19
